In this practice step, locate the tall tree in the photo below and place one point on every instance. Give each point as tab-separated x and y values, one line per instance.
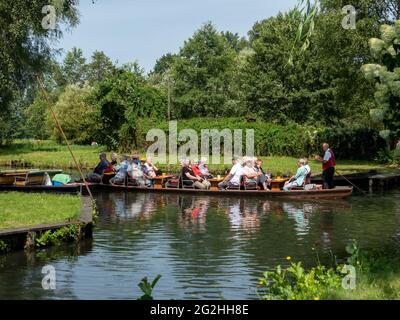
99	67
74	67
121	100
203	75
323	85
26	35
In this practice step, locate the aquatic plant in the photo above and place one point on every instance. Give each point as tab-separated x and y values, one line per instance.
55	237
4	247
147	288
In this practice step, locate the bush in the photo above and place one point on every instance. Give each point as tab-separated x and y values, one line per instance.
77	116
278	140
295	283
353	143
120	100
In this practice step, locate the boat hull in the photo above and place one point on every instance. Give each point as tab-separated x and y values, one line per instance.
337	193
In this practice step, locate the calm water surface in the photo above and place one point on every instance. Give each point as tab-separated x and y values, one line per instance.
204	247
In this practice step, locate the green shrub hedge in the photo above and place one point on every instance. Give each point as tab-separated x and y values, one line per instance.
278	140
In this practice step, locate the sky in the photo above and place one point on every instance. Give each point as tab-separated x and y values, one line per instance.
144	30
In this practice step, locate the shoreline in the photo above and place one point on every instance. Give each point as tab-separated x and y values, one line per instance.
44	235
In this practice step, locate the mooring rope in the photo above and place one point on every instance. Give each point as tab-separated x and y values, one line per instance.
46	97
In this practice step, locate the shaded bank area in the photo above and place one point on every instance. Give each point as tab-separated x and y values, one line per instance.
29	221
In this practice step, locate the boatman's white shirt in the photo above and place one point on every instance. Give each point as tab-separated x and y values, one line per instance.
327	155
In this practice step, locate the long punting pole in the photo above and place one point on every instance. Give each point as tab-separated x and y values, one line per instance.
46	97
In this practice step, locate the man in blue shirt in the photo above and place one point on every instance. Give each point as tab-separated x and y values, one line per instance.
95	177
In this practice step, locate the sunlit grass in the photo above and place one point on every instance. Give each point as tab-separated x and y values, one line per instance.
28	209
48	154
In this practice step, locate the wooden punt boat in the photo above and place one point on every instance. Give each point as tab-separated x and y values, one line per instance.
332	194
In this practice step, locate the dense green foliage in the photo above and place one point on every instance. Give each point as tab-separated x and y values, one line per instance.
377	276
76	115
295	283
283	140
298	73
120	101
387	78
25	51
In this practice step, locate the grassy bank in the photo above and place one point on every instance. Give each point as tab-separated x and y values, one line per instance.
24	210
376	276
48	154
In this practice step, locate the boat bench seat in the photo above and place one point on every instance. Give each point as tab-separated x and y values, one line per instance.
32	179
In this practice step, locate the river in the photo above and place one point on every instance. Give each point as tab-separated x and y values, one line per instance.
205	247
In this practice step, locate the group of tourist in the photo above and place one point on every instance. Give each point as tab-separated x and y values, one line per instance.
246	172
135	170
249	171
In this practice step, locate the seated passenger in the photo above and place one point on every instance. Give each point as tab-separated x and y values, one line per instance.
309	173
122	171
149	171
264	180
189	177
114	160
98	171
250	174
233	179
204	169
197	172
299	179
196	168
135	173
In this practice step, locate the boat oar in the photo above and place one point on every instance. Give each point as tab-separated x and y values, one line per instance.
365	193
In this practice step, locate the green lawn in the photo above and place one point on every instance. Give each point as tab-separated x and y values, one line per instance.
29	209
48	154
372	287
378	278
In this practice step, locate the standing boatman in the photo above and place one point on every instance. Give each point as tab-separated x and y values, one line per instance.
328	166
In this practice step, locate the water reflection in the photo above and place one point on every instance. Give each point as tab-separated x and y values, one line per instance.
242	214
206	247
